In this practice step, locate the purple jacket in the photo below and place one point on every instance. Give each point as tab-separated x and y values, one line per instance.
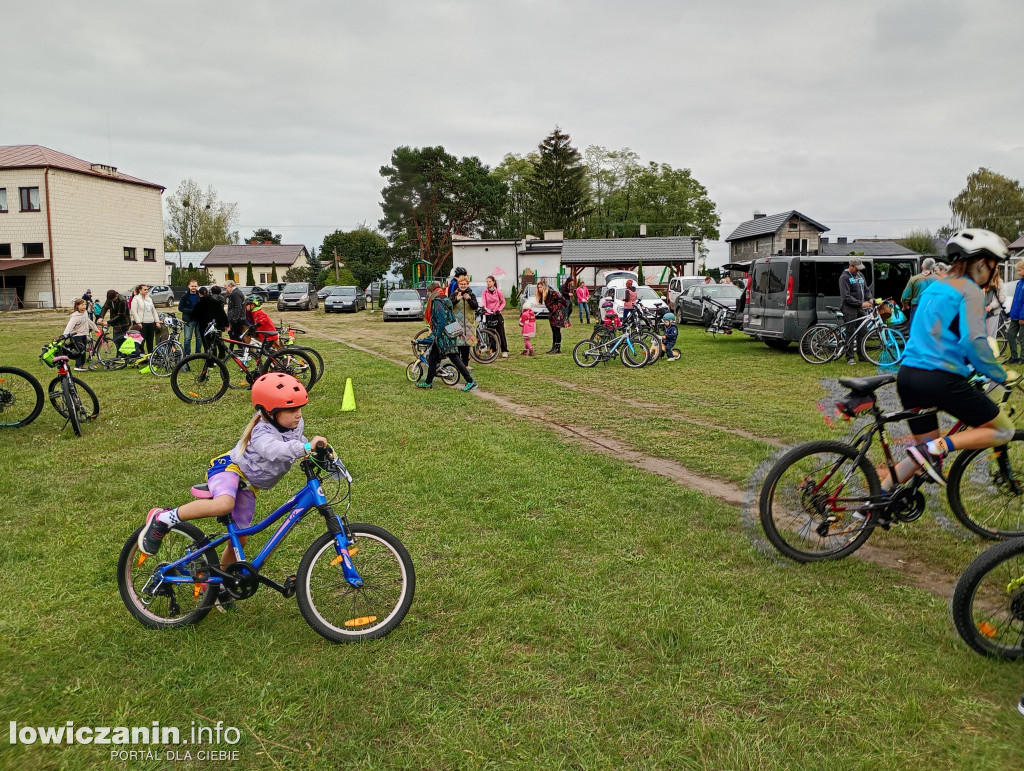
269	454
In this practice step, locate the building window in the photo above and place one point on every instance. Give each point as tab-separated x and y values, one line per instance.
29	198
263	278
3	200
796	246
5	250
148	255
129	253
792	225
33	250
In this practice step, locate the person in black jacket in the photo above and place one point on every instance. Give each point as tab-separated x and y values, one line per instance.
236	310
185	305
120	318
208	310
856	299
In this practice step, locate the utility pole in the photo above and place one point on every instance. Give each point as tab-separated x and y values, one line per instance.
337	274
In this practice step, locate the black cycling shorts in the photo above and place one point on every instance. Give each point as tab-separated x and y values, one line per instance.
949	392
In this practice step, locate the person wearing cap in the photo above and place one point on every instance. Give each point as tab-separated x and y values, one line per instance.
856	299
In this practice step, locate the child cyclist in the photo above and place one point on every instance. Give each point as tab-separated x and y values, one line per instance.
255	316
270	444
671	335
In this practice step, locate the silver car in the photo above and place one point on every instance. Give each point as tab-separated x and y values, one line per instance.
345	298
403	304
528	299
300	295
160	294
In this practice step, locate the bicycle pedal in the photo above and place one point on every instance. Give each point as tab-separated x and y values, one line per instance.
289	585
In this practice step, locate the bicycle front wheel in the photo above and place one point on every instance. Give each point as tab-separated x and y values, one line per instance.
819	344
883	346
106	349
72	405
295	363
487	347
167	605
988	602
586	353
199	379
342	612
21	397
314	354
985	489
414	372
811	498
633	353
165	358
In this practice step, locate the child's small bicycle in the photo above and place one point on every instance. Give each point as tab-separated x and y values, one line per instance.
355	582
417	370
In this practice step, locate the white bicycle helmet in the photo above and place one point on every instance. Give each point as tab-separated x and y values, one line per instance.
975	243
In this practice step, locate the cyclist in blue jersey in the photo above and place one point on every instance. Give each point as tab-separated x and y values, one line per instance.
947	341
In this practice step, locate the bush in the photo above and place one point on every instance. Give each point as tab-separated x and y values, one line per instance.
513	298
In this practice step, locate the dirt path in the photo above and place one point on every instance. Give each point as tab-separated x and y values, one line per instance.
913	572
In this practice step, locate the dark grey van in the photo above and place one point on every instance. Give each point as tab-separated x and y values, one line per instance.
787	294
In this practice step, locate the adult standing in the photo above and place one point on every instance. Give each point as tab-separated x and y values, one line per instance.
494	304
583	300
218	294
856	299
145	316
464	305
628	301
1015	334
441	316
454	283
206	310
235	309
120	316
915	287
994	298
566	290
556	306
185	305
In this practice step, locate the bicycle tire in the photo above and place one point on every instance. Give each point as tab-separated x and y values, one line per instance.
989	616
199	379
165	358
819	344
487	347
633	357
883	346
376	608
985	489
71	404
414	372
21	397
56	393
106	350
776	483
107	364
652	343
448	374
173	546
314	354
295	363
583	353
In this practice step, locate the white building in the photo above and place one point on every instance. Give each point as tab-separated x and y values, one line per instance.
67	225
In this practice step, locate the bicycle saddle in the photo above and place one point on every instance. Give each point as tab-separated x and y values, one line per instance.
866	385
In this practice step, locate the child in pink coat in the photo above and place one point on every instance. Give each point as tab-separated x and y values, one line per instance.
528	321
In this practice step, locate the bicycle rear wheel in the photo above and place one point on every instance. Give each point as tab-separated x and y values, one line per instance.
341	612
295	363
165	358
118	362
487	347
21	397
819	344
106	350
167	605
883	346
810	499
199	379
988	602
985	489
586	353
72	405
314	354
86	411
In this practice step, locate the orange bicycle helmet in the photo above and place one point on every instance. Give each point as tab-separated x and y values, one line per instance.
278	391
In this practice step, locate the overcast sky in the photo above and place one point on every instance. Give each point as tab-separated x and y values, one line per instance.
866	116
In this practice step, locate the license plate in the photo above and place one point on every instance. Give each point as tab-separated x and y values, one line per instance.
754	322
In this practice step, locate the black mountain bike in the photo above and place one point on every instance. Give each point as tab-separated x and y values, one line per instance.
988	602
21	398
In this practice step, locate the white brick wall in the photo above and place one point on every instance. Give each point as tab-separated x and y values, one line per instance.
92	220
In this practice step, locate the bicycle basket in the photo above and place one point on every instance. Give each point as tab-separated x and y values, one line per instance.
853	404
50	351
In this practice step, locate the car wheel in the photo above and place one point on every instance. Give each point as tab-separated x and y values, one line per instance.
170	301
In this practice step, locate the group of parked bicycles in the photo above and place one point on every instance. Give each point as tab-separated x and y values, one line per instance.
822	500
638	342
871	337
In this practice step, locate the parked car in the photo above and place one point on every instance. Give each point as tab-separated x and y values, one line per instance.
300	295
677	285
374	290
645	296
789	293
322	293
249	291
402	304
345	298
697	305
160	294
528	299
612	275
274	289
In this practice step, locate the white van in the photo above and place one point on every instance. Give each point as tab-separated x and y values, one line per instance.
609	276
678	284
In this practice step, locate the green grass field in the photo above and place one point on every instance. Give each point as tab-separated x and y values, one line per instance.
572	610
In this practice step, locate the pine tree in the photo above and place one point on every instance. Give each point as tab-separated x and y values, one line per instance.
558	186
316	267
273	273
231	274
250	280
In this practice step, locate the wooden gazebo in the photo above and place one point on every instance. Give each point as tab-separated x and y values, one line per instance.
672	252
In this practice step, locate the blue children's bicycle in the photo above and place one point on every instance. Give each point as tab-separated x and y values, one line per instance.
355	582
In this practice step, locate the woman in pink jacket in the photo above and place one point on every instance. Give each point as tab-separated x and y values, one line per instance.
583	299
494	304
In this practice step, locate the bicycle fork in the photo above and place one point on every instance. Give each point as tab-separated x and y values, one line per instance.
343	544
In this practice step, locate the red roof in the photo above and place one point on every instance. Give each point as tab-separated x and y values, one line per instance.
257	254
39	157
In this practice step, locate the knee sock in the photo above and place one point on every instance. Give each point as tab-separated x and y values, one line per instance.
940	446
169	517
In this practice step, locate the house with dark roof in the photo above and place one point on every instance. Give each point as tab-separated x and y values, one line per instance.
869	247
771	234
67	225
264	258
